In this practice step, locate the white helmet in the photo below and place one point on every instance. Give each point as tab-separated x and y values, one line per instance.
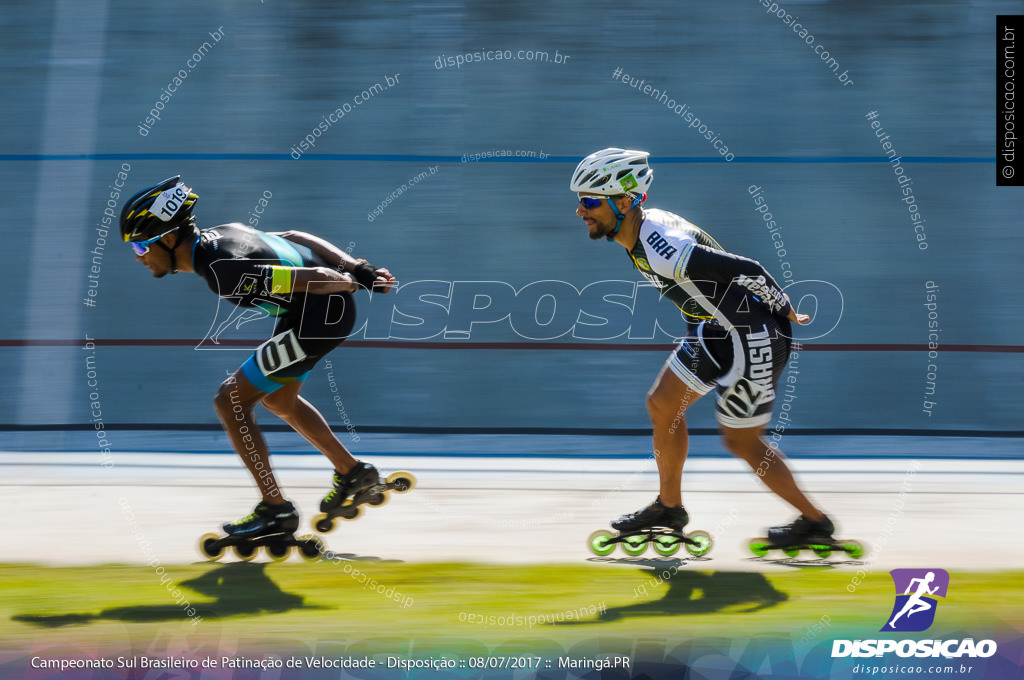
612	172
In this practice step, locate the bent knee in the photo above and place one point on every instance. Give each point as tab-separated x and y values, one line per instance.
226	401
222	399
278	406
658	403
745	444
737	440
731	440
667	404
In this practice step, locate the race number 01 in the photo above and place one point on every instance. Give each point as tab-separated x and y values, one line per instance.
279	352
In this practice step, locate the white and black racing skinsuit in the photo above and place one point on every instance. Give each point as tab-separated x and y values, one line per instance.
742	341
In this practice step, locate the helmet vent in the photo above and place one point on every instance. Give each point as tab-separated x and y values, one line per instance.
613	171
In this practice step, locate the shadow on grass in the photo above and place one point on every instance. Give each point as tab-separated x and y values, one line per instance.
808	563
690	593
238	589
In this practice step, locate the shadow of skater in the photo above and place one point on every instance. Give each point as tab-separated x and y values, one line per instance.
689	593
238	589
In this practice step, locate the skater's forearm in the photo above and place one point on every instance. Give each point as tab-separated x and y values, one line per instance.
322	281
330	253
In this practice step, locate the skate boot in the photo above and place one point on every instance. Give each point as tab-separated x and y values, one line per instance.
271	527
361	485
802	530
805	534
360	478
265	519
657	524
655	515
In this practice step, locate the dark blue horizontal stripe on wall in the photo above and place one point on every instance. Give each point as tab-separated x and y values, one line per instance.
502	346
411	158
575	431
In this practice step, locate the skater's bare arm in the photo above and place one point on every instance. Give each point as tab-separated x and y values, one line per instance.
338	258
793	316
327	251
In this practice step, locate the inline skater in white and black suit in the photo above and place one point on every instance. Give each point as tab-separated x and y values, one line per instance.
740	347
303	281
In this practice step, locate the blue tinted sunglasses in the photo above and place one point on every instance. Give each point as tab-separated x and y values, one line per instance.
142	247
590	203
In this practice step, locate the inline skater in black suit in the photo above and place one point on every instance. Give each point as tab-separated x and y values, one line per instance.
303	281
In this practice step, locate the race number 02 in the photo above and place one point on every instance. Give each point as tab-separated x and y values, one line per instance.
280	351
742	398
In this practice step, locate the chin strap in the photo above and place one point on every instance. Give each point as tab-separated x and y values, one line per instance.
174	258
621	216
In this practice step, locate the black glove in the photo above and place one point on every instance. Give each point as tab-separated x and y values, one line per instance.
365	275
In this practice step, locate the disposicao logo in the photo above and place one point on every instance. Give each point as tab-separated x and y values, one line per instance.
914	610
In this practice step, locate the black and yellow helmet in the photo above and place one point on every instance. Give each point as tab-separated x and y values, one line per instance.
158	210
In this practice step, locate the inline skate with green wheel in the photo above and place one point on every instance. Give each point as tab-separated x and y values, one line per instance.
657	525
805	534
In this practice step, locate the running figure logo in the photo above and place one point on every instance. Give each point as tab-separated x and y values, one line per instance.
914	610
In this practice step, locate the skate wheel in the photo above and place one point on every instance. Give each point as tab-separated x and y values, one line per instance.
790	551
323	523
599	544
853	548
209	548
245	551
822	551
701	543
635	545
378	499
666	545
350	512
310	547
759	546
403	481
278	552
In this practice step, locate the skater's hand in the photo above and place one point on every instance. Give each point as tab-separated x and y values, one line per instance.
793	316
798	318
384	281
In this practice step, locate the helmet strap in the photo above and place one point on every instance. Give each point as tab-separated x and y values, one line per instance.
618	225
171	249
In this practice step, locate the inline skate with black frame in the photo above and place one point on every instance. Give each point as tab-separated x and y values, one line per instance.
360	486
658	525
805	534
271	527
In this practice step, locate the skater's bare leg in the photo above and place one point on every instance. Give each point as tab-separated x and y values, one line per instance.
289	406
667	402
234	405
769	464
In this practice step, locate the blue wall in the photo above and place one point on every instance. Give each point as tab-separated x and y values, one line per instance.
81	76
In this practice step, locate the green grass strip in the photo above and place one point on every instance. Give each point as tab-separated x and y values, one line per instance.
472	603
